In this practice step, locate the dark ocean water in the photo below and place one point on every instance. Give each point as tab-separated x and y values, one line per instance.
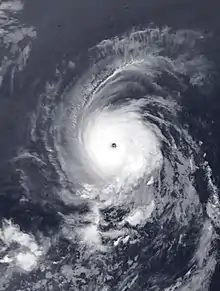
41	39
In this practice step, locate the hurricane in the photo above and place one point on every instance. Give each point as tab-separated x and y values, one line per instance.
122	173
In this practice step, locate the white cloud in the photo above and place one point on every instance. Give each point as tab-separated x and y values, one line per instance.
27	253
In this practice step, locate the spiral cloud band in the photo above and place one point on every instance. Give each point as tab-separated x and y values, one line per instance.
118	144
